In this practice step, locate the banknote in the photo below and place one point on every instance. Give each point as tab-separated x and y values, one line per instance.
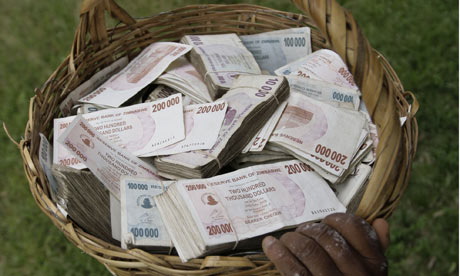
261	139
243	204
202	126
351	189
182	76
139	73
316	128
254	158
141	223
329	172
324	164
85	108
278	48
86	200
290	68
365	145
323	65
140	129
90	85
161	92
46	161
324	91
249	145
115	218
107	161
219	59
90	108
326	65
369	158
372	131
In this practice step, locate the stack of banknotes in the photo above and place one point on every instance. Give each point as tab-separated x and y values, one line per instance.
222	211
219	59
182	76
251	102
205	146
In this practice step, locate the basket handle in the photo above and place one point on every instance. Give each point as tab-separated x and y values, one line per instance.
92	22
346	38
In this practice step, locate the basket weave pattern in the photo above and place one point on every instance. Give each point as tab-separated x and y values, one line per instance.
333	27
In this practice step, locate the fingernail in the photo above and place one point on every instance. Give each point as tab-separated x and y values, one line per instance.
268	241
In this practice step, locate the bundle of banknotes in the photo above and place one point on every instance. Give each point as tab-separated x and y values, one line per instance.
219	59
207	145
251	102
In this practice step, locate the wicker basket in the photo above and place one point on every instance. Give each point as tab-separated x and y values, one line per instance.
95	47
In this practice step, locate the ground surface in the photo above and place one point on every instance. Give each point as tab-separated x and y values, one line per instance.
420	38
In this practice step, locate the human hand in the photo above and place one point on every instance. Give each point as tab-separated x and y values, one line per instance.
342	244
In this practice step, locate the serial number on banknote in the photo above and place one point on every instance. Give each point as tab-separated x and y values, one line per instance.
195	187
320	211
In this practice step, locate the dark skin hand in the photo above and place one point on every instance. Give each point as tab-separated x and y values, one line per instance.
341	244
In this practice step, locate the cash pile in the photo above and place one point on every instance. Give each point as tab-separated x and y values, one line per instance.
325	137
327	66
251	102
219	59
85	199
259	141
182	76
189	147
210	215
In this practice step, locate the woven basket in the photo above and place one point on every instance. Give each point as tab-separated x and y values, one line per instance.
333	27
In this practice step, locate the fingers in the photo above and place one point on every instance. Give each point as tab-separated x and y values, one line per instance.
363	238
383	232
357	232
342	254
341	244
284	261
310	253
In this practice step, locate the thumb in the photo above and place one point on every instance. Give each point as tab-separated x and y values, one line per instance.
382	228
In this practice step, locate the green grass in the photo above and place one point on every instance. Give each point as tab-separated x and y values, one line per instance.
419	38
